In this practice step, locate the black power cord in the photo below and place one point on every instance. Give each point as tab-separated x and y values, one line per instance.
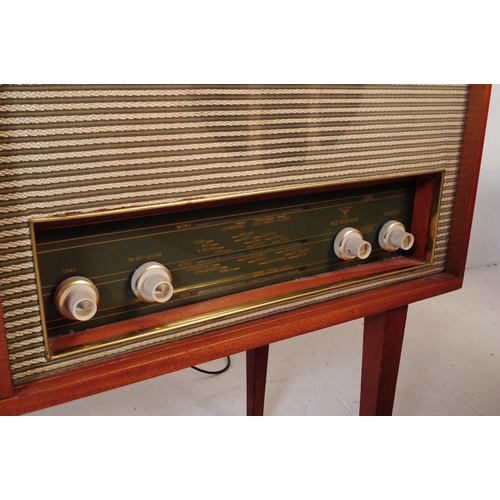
215	372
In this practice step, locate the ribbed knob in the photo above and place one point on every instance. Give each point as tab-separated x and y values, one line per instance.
393	236
349	244
76	298
152	282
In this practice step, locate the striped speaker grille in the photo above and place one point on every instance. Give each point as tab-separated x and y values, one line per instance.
86	148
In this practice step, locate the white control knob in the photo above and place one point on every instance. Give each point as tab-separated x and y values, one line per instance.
76	298
152	282
393	236
349	244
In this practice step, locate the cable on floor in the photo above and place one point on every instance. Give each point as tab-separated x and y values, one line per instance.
217	372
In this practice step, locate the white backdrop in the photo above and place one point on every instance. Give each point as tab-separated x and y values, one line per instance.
484	249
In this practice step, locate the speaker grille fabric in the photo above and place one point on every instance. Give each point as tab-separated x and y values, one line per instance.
85	148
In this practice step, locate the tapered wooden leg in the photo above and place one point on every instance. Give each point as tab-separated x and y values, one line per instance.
382	344
256	380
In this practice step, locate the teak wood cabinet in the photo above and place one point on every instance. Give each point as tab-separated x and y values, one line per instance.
384	309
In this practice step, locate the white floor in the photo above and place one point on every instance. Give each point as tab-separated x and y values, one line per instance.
450	366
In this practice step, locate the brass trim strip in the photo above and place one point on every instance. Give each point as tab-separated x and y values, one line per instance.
227	197
222	313
241	309
437	196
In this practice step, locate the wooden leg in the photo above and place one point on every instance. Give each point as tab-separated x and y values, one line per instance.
382	344
256	380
